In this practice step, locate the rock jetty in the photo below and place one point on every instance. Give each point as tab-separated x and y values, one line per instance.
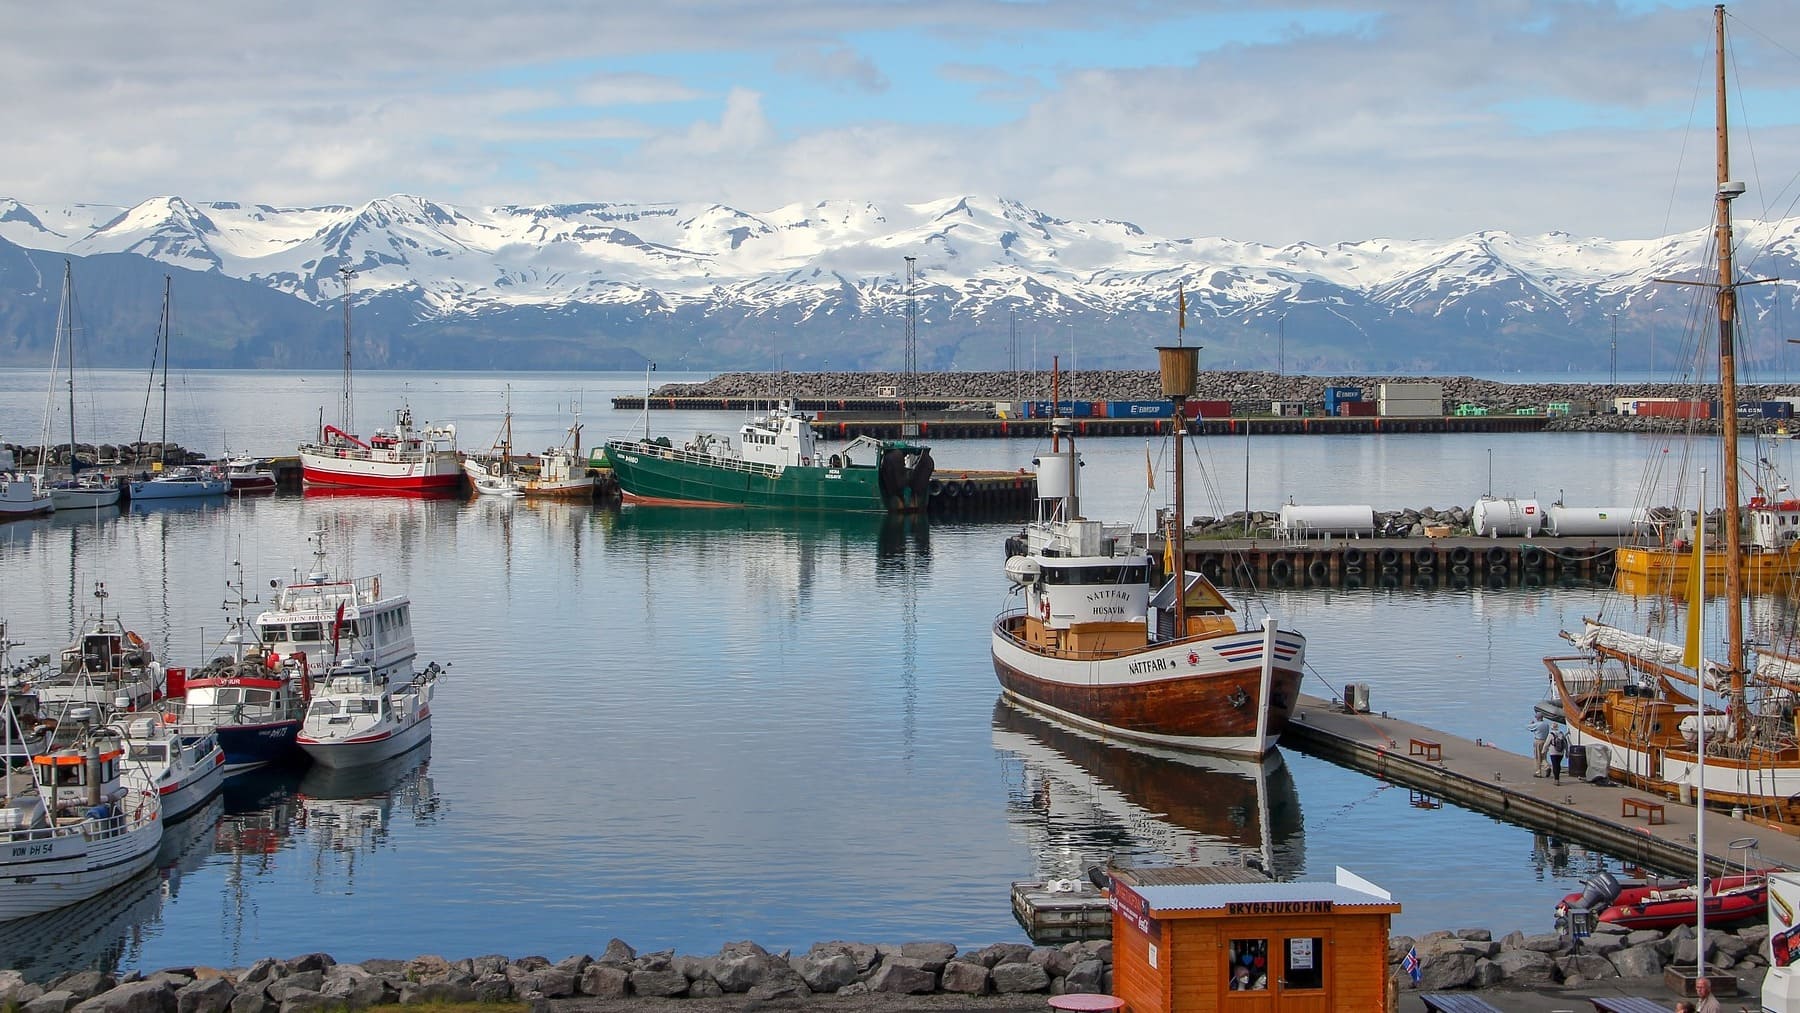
1246	387
1465	958
92	453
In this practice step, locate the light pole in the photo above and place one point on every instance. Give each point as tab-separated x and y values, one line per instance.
1615	354
1490	491
1281	346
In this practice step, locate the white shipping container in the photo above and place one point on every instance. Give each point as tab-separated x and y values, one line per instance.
1411	391
1303	521
1411	409
1625	405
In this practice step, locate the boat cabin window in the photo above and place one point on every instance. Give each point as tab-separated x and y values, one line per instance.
227	695
153	752
258	697
309	633
359	705
274	633
324	707
1075	575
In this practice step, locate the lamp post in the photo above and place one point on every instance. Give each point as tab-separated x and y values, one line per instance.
1281	346
1615	354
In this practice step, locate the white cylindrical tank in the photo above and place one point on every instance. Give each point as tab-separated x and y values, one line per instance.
1053	476
1327	520
1515	518
1604	522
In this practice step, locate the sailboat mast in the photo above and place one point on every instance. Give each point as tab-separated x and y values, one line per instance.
347	406
162	453
68	309
1728	424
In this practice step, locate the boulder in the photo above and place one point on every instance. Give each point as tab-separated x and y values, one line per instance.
351	987
1643	937
1447	970
1602	945
85	984
10	984
902	978
704	987
618	952
738	967
604	980
492	987
252	1000
1475	935
1052	959
132	997
996	954
932	956
968	977
1548	942
1020	977
863	954
1527	967
310	962
1588	966
290	986
58	1001
659	984
436	992
1643	961
827	972
428	968
493	963
1487	974
555	982
1086	976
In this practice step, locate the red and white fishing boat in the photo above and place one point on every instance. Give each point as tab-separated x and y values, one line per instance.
400	459
248	475
1094	648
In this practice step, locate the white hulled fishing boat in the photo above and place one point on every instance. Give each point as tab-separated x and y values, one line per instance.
359	716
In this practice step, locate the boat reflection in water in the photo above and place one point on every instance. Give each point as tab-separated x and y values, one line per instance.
103	931
1084	801
347	812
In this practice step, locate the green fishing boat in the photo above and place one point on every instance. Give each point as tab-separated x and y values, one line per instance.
775	463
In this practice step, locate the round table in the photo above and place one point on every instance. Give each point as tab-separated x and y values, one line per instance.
1087	1002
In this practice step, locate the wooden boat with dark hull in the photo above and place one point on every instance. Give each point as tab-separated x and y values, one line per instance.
1093	647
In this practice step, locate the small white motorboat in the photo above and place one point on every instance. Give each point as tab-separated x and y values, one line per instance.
359	715
185	770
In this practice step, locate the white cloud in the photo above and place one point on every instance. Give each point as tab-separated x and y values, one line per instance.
1424	120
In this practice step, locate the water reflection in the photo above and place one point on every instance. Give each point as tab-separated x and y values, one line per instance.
101	932
1084	800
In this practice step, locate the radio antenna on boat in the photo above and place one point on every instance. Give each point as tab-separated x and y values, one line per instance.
345	273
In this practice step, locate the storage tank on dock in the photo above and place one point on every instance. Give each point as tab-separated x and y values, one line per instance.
1301	521
1594	522
1508	518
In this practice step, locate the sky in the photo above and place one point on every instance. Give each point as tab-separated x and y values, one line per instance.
1275	123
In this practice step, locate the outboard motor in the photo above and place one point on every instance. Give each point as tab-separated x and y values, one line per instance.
1598	891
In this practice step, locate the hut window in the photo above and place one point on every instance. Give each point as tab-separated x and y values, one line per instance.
1249	965
1305	958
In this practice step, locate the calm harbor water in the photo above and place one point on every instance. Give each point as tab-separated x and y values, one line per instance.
683	727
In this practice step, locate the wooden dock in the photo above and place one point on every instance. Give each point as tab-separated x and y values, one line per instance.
1461	561
1478	775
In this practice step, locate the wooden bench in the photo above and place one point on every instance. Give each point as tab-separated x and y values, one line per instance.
1652	811
1426	748
1457	1002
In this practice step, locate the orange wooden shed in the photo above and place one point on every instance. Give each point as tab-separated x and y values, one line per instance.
1187	940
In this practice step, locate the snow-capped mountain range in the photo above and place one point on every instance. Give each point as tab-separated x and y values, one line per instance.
803	287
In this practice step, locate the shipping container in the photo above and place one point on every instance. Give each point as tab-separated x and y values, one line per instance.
1141	409
1204	409
1290	408
1357	409
1673	409
1625	405
1390	408
1066	409
1336	396
1757	410
1410	392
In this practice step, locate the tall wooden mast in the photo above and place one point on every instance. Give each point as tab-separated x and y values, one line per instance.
1728	423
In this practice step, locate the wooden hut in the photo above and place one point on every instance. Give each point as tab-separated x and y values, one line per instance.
1187	940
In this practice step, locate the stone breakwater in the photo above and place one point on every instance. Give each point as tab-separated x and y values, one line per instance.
1472	958
1248	387
1466	958
122	454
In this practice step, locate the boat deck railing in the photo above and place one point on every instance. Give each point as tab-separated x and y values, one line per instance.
685	456
1006	620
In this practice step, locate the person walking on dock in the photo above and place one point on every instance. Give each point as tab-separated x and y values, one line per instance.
1554	748
1540	733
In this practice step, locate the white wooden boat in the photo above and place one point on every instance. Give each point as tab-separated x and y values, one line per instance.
73	829
333	620
107	667
22	494
358	716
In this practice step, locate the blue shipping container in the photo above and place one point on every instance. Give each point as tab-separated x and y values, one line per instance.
1066	409
1141	409
1335	396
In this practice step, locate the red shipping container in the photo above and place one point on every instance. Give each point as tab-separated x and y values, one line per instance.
1099	409
1358	409
1676	409
1197	409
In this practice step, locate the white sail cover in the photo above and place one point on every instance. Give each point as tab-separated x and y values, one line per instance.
1649	649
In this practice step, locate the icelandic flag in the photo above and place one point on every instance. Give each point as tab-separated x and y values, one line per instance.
1410	964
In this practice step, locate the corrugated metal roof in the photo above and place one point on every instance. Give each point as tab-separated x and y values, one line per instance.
1212	896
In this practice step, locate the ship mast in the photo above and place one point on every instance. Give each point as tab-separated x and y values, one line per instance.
347	406
1728	424
1179	365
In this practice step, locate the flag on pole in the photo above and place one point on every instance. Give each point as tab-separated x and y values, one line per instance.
1411	964
1149	469
337	628
1690	655
1181	302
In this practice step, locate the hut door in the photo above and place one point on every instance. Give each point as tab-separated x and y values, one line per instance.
1302	982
